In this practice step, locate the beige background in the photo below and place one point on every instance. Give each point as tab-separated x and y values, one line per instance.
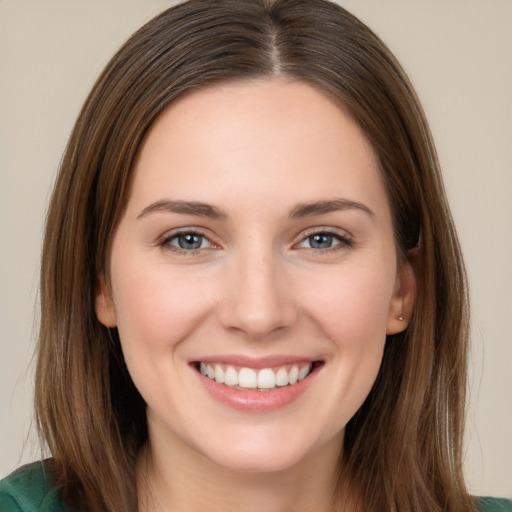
458	54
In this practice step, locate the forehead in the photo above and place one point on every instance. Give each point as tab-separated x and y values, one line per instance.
269	138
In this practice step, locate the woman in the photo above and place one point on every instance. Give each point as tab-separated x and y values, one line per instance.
252	291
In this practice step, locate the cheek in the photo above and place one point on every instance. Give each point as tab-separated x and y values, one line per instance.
353	317
156	308
156	311
353	305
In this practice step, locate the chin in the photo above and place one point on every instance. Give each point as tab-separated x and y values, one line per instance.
261	454
249	462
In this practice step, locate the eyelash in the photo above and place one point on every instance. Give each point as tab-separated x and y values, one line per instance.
165	242
343	242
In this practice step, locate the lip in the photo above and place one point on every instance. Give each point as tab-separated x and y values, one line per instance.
252	400
257	363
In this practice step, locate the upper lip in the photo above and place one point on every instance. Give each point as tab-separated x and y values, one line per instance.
255	362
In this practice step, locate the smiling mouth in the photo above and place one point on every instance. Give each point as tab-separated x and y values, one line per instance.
262	379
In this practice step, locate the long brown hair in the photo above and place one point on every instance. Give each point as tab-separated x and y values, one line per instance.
404	444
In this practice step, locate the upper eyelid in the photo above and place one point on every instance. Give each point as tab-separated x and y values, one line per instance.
168	236
184	231
342	233
344	239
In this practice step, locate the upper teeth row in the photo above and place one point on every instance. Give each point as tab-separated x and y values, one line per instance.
266	378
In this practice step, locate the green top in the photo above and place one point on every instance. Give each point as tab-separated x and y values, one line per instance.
29	489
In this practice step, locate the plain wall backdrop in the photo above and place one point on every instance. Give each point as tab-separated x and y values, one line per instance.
458	54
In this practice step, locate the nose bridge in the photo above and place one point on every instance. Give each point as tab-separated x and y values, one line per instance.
257	302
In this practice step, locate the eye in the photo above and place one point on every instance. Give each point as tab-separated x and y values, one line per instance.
324	240
186	241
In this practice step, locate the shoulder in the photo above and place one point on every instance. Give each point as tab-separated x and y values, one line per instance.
493	505
29	489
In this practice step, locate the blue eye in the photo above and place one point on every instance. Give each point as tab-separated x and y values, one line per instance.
321	241
324	241
187	241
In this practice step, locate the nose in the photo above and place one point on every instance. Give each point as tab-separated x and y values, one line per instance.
258	301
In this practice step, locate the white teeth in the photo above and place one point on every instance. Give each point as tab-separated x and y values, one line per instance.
231	377
219	374
282	377
303	372
266	379
247	378
293	376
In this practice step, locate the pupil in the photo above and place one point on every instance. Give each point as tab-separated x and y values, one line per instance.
321	241
189	241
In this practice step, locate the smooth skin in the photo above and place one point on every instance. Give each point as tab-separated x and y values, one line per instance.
285	246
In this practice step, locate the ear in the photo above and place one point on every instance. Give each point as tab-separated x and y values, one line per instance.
402	302
103	303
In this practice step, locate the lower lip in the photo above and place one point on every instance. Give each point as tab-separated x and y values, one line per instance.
254	400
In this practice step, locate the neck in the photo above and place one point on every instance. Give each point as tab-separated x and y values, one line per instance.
184	481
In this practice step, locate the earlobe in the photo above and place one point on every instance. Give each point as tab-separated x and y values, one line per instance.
402	303
104	305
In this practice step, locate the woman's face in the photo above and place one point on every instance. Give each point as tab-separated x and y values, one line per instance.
256	248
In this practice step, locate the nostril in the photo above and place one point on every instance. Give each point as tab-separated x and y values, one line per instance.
258	306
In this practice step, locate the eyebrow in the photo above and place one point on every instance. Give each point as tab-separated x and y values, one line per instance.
321	207
196	208
200	209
